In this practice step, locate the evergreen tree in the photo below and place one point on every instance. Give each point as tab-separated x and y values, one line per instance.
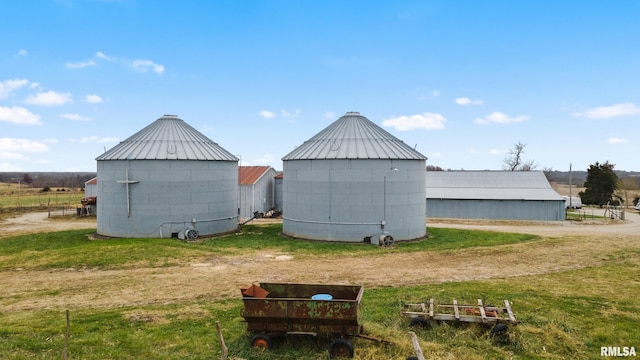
600	185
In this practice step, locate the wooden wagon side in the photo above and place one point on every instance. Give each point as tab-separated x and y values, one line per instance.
454	312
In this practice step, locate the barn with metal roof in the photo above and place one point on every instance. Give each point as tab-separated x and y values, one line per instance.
166	180
354	182
257	189
509	195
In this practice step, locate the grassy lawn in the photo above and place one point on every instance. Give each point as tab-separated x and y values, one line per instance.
564	315
75	248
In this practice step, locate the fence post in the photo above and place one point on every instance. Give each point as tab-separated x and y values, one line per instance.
416	345
66	339
225	351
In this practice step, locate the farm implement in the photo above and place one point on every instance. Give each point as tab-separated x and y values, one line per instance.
499	317
278	309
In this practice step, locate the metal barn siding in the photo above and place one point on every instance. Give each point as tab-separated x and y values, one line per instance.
343	183
91	187
495	209
256	189
165	179
507	195
278	188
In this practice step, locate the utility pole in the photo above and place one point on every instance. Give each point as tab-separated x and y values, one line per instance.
19	190
570	197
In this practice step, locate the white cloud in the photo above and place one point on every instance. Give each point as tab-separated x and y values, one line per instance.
102	56
435	155
146	65
500	118
265	159
7	86
605	112
22	52
428	121
267	114
472	152
496	152
75	117
435	93
93	99
615	140
49	98
80	65
5	155
285	113
6	167
19	115
464	101
98	139
21	145
329	115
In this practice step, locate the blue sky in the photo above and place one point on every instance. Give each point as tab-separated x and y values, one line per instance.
462	81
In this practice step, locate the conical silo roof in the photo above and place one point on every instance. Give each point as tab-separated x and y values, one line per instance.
168	138
353	136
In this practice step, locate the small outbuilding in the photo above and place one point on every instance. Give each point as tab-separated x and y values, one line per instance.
90	196
257	190
508	195
167	180
354	182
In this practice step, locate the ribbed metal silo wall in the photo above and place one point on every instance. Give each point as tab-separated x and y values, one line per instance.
166	197
346	200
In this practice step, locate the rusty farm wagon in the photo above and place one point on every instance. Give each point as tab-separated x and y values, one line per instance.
277	309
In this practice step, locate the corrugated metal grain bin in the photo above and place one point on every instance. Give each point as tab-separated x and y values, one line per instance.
167	180
349	180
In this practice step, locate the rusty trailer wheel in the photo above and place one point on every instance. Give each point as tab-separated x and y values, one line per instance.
262	341
341	348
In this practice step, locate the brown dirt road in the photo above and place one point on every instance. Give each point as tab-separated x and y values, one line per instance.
564	246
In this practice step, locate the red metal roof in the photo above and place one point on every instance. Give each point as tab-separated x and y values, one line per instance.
92	181
248	175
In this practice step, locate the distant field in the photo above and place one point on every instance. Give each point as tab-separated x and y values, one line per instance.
14	196
563	189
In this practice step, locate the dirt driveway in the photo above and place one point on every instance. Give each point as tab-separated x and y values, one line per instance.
582	244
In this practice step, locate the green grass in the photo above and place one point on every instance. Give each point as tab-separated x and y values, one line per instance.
562	315
75	248
30	197
583	215
569	323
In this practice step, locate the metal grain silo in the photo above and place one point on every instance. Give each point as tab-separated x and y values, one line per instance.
167	180
354	182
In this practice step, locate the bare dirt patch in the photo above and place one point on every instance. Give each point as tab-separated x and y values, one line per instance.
564	246
37	222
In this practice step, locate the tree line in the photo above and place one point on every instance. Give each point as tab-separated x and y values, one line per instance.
48	179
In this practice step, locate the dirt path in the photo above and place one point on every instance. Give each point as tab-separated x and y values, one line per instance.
35	222
582	245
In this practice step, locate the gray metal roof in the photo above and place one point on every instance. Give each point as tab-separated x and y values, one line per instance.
168	138
353	136
490	185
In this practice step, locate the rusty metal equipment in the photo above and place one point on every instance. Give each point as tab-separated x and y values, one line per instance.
277	309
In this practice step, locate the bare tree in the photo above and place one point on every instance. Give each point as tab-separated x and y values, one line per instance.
624	186
514	162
